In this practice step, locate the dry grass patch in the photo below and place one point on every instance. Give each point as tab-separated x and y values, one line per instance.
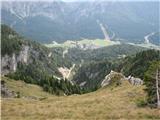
106	103
24	88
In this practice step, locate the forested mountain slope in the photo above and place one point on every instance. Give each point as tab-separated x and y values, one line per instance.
90	75
33	63
138	64
105	53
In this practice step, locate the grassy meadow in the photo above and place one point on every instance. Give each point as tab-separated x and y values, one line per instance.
96	42
107	103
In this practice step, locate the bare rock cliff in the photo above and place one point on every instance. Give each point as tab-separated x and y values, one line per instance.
9	63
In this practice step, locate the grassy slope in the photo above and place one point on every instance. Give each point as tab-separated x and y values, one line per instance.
106	103
24	88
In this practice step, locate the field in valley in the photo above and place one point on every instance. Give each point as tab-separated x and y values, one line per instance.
96	42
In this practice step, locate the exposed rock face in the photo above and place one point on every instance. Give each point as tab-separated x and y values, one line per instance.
9	63
118	78
82	84
66	72
50	54
23	56
135	81
112	77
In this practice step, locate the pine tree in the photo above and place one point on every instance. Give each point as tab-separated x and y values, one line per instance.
152	83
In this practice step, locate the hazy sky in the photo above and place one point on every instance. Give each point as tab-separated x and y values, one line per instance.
107	0
78	0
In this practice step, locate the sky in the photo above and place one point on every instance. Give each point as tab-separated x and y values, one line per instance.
78	0
105	0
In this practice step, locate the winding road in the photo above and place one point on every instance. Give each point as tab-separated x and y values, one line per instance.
146	38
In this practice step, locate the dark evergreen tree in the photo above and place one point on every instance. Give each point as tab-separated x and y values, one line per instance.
150	83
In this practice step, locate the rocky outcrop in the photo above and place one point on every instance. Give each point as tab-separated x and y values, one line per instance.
23	56
113	77
82	84
65	71
9	63
135	81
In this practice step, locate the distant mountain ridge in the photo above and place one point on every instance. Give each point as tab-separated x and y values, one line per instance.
59	21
